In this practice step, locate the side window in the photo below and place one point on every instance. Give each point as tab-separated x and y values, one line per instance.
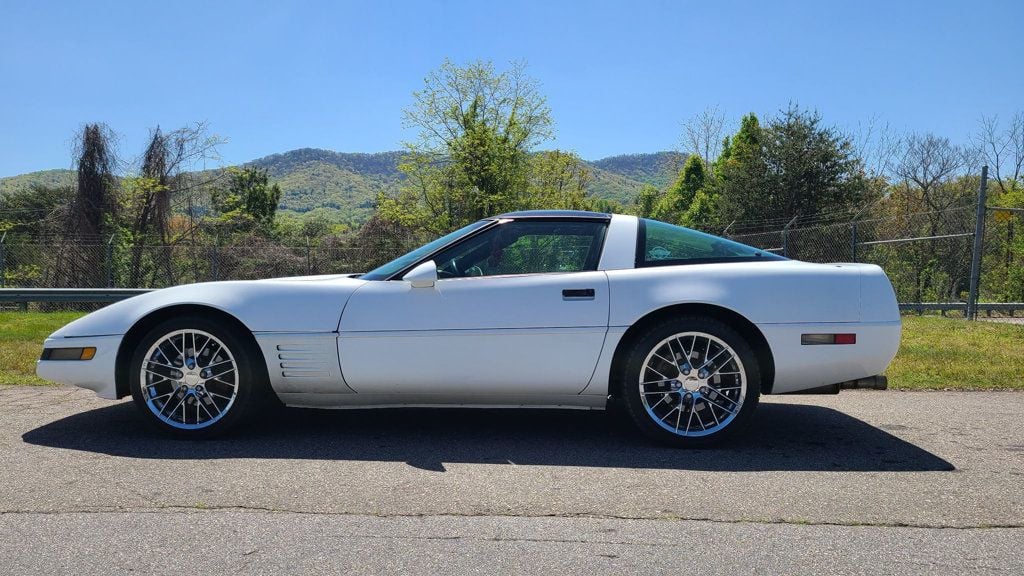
525	247
662	244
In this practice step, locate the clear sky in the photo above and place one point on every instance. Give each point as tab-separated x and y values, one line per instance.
620	76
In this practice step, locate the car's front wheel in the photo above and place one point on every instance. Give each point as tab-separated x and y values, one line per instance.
690	381
194	378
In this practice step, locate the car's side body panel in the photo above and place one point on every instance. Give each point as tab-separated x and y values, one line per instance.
312	304
782	292
302	362
484	335
800	367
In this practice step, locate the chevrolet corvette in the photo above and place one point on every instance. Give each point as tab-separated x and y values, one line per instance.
562	309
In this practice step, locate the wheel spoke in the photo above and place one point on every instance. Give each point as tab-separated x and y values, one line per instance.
170	340
669	413
665	360
658	373
706	399
720	395
708	362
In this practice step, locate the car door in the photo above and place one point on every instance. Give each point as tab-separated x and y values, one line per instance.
517	309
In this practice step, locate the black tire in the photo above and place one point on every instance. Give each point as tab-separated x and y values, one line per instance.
252	391
631	398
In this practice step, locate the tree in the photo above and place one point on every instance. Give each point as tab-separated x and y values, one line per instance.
249	203
477	128
164	177
933	197
557	179
1003	150
680	195
647	201
794	166
702	134
81	260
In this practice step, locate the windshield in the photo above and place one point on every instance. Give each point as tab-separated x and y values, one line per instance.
387	270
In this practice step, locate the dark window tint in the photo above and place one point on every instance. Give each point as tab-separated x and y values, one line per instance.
525	247
662	244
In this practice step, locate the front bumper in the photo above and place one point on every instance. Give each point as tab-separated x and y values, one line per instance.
96	374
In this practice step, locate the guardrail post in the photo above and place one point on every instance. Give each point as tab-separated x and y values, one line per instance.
979	242
3	261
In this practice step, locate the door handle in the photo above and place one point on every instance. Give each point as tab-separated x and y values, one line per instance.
578	294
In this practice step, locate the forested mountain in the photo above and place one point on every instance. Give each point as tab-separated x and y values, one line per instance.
48	178
349	182
658	168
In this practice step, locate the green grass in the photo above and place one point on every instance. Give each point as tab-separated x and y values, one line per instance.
21	341
936	353
946	353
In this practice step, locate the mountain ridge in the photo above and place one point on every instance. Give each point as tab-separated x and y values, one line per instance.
349	182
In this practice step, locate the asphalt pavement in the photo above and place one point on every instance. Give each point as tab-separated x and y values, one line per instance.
860	483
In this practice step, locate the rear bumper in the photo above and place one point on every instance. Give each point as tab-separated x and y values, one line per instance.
799	367
96	374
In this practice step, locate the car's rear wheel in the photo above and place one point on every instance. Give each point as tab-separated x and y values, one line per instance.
194	378
690	381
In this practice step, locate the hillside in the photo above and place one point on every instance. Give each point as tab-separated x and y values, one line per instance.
659	168
349	182
48	178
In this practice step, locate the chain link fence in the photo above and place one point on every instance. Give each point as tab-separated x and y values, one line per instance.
927	255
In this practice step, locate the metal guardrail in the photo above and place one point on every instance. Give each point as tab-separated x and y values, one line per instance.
68	295
943	307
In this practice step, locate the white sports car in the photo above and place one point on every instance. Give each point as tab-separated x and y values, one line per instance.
558	309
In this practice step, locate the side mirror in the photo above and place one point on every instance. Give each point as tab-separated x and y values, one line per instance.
422	276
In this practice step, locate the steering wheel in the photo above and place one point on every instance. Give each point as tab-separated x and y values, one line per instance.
453	267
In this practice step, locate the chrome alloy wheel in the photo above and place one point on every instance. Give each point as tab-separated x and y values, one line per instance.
693	384
189	379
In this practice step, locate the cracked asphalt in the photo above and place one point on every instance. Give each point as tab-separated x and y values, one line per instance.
859	483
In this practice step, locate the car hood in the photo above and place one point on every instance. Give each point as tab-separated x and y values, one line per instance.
300	304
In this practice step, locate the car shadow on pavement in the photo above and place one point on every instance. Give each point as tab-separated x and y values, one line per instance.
783	437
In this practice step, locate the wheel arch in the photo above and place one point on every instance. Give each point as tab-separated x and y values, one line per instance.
737	321
150	320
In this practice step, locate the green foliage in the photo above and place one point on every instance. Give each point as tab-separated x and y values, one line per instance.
248	204
657	168
794	166
678	198
473	156
53	179
24	212
647	200
702	213
557	180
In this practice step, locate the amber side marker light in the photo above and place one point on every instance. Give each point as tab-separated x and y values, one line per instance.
816	339
68	353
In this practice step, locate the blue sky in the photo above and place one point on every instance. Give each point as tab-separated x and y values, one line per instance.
620	76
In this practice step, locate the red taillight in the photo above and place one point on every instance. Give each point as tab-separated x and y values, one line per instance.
817	339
